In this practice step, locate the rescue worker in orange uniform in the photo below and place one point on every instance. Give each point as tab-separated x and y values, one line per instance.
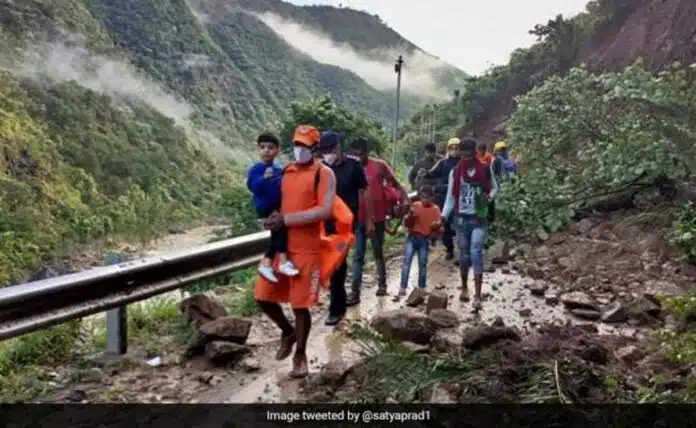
308	190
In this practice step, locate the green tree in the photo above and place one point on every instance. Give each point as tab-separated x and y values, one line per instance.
326	115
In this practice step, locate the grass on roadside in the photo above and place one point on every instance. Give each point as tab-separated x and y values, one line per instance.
679	348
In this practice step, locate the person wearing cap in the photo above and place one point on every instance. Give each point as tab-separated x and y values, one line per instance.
440	174
351	186
503	167
308	190
470	189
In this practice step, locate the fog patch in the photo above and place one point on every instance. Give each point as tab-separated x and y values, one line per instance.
419	73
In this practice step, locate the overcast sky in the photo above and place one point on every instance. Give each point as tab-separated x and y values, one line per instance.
471	35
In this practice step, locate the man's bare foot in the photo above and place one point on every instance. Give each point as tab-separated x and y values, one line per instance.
286	344
300	367
477	304
464	297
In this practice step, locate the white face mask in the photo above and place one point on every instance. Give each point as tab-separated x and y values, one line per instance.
330	158
302	154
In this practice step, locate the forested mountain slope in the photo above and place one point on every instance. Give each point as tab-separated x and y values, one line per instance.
119	116
607	36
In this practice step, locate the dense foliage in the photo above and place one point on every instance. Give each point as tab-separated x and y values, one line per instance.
77	167
585	137
491	95
326	115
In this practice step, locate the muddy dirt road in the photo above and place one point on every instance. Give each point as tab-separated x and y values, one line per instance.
507	298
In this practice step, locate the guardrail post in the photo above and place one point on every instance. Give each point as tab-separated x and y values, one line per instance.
116	319
117	331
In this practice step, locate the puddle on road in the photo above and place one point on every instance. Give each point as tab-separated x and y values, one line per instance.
507	296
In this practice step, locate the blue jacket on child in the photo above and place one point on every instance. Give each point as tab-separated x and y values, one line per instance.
265	191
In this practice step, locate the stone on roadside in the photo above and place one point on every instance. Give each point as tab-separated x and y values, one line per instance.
416	298
499	252
219	352
333	373
483	336
630	354
446	340
614	312
444	318
231	329
587	314
578	300
537	289
200	309
250	365
436	300
405	325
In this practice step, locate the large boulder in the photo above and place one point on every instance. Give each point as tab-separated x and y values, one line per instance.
444	318
230	329
579	300
200	309
402	324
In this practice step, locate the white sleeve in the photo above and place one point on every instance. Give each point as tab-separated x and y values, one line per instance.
449	200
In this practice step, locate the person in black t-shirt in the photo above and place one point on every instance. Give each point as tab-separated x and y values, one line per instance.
351	183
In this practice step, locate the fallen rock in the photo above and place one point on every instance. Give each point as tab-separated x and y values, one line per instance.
250	365
594	353
526	312
630	354
230	329
643	305
578	300
200	309
416	298
479	337
446	340
552	298
614	313
436	300
537	289
444	318
587	314
405	325
333	373
498	322
219	352
499	252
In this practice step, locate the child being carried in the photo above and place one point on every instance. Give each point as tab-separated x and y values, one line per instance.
263	181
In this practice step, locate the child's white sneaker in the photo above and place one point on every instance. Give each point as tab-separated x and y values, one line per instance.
267	272
288	269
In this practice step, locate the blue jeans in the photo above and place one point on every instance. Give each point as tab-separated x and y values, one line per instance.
415	245
377	242
471	240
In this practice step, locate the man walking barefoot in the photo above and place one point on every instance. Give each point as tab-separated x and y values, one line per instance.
308	189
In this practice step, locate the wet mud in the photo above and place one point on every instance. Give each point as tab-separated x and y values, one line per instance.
505	297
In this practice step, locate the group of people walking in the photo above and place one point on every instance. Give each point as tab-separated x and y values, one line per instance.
297	204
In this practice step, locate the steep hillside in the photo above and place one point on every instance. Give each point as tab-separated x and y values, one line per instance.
118	117
608	36
217	56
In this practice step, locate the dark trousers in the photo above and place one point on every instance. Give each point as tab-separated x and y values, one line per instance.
338	298
377	242
449	232
279	239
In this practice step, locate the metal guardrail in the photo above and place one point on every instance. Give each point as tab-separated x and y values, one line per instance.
40	304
